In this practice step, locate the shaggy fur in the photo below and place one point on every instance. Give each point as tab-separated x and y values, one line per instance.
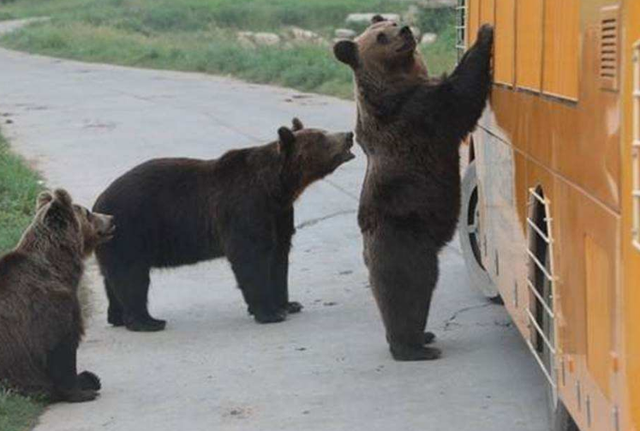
410	127
40	316
173	212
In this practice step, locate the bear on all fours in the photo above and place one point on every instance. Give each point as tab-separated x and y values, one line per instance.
410	127
177	211
41	322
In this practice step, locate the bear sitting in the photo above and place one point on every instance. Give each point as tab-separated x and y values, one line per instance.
40	316
410	127
179	211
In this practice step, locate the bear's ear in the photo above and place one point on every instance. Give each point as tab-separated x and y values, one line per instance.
286	141
346	51
60	212
297	124
377	18
43	199
63	197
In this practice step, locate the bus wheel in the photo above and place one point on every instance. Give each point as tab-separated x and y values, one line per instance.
470	233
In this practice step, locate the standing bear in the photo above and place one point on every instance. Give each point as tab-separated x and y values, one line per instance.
410	127
178	211
40	314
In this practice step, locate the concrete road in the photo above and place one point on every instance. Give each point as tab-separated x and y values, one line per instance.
327	368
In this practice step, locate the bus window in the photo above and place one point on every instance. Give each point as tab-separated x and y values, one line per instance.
529	44
505	41
561	48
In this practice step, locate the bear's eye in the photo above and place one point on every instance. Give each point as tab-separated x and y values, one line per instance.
382	38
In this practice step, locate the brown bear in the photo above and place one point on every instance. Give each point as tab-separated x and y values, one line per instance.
410	127
177	211
40	316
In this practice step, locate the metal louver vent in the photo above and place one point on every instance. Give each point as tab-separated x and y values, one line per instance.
609	47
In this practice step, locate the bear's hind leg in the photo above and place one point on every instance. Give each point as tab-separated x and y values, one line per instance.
115	312
403	271
67	384
131	288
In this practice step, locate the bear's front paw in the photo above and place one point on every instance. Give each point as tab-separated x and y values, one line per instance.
429	337
77	395
89	381
293	307
144	324
414	353
261	316
485	34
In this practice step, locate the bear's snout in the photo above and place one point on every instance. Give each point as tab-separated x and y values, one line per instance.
348	144
106	227
349	139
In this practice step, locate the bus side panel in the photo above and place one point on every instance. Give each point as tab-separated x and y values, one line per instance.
487	11
586	253
561	48
593	137
505	42
500	173
630	376
529	44
473	16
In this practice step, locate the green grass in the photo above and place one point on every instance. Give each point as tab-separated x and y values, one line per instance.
18	413
199	35
19	187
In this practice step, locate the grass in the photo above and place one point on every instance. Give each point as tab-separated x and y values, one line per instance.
18	413
19	187
200	35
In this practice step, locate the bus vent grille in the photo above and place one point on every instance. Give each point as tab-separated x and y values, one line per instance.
609	47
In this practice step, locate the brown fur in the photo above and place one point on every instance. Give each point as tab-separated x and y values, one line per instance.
410	127
173	212
40	316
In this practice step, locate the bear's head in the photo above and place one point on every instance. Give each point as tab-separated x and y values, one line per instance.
63	221
384	52
311	154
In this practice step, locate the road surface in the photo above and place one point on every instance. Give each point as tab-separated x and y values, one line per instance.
327	368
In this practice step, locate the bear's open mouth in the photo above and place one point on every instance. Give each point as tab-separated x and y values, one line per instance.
409	45
347	155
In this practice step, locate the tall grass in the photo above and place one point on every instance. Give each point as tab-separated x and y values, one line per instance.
18	190
200	35
18	413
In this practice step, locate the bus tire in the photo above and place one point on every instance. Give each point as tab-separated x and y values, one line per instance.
469	232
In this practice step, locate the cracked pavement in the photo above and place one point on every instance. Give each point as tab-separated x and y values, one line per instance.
327	368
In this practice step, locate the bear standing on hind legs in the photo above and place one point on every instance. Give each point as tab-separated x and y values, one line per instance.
410	127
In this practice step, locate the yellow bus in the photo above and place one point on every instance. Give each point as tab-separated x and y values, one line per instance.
551	210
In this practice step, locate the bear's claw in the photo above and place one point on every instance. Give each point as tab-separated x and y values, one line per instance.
429	337
89	381
293	307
